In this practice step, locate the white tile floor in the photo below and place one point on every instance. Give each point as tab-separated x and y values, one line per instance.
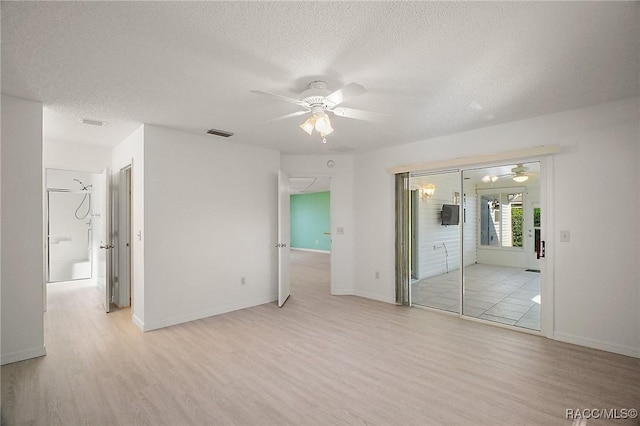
495	293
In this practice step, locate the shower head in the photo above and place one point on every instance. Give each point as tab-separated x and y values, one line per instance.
84	188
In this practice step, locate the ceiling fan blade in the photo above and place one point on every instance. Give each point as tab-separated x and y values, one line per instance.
347	92
281	97
284	117
359	114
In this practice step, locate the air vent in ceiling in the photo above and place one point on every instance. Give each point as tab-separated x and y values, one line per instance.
92	122
217	132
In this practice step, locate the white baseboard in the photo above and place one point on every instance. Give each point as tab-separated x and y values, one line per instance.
374	296
597	344
311	250
138	322
343	292
23	355
179	319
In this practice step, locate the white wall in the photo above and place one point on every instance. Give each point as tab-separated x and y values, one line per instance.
130	152
210	219
71	156
596	274
438	245
22	264
341	204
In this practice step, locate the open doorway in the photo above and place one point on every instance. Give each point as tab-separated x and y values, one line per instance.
310	227
71	218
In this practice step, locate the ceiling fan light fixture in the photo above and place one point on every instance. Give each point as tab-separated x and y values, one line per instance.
308	125
520	178
326	133
323	125
327	130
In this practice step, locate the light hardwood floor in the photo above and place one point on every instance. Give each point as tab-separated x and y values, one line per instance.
320	360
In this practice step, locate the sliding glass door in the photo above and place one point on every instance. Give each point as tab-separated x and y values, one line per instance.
475	242
498	284
435	240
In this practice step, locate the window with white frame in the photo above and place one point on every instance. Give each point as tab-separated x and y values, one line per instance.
501	218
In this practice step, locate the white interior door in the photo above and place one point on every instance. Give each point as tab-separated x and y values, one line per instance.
284	236
123	247
105	279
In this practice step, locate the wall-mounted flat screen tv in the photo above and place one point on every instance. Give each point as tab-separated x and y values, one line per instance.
450	214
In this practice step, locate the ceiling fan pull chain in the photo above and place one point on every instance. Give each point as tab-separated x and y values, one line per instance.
324	140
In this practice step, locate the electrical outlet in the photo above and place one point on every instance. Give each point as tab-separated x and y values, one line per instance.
340	230
565	236
243	280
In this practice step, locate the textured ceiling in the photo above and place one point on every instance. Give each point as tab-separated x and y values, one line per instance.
435	68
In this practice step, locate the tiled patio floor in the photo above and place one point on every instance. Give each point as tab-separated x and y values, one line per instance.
495	293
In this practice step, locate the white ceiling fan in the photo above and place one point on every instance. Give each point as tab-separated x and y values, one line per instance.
318	100
519	174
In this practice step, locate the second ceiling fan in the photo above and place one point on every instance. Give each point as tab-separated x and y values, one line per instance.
520	173
317	100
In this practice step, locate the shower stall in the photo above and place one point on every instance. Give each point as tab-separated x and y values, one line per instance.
69	225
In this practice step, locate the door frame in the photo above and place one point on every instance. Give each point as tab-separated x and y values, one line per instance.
332	290
45	218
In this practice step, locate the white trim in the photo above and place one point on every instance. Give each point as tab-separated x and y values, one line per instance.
179	319
502	325
373	296
138	322
435	310
312	250
598	344
23	355
547	264
535	151
343	292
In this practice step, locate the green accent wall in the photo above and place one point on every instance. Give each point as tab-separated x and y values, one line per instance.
310	220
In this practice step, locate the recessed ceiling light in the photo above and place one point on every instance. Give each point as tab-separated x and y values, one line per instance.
92	122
